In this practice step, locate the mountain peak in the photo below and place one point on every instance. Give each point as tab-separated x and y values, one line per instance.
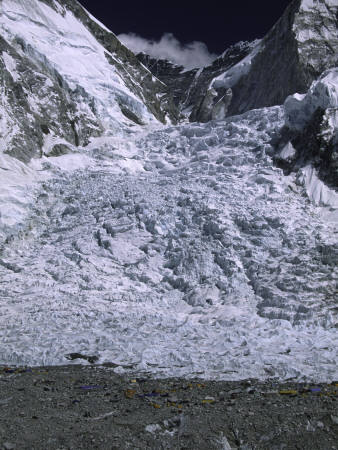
300	46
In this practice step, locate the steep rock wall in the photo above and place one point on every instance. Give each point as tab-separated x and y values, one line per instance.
302	44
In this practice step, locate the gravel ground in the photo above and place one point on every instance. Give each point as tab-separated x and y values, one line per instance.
91	407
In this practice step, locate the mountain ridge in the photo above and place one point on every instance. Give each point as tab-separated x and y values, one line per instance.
284	62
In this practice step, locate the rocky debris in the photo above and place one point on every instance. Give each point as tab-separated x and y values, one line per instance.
92	407
8	446
73	356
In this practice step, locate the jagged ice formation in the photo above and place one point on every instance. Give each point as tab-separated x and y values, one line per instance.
197	249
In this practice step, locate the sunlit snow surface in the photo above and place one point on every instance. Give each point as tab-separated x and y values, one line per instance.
180	251
65	45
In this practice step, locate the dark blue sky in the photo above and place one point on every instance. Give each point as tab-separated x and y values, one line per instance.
216	23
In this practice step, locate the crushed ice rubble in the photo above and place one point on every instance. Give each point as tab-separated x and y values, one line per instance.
178	252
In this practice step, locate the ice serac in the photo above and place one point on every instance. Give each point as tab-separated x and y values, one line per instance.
302	44
178	251
66	78
310	135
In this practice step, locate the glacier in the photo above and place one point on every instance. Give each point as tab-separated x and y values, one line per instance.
179	251
155	247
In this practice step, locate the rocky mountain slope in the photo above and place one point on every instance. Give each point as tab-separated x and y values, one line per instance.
302	44
66	78
310	135
189	87
176	77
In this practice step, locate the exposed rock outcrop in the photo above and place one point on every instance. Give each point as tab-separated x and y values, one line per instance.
190	88
177	78
38	104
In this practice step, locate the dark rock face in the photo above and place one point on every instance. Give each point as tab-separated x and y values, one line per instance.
177	79
310	134
302	44
205	103
190	88
314	145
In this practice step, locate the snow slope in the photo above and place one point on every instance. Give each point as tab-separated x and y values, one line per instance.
229	78
59	39
59	86
178	251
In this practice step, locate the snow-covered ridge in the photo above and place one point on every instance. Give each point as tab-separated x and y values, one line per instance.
74	52
72	79
231	77
189	87
302	44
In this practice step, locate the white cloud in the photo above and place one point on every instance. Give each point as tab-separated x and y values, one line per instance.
194	54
